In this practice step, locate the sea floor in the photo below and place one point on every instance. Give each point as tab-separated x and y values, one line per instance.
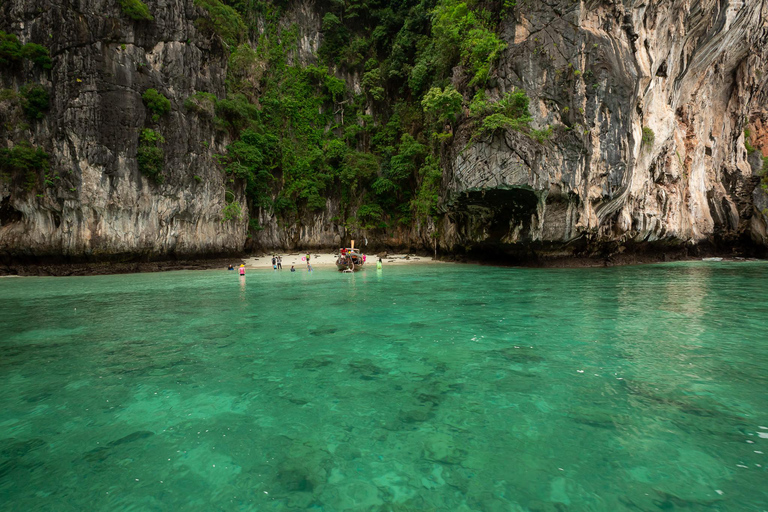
417	388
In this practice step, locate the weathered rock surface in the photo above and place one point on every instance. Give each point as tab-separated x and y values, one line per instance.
695	72
101	207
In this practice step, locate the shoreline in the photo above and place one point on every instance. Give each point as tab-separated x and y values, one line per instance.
324	259
109	268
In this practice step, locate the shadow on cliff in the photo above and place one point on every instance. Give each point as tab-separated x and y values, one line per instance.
585	253
110	264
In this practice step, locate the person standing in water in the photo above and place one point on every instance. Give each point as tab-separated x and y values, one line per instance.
378	264
242	270
293	269
279	263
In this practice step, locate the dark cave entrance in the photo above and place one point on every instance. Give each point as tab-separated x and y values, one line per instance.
8	214
495	212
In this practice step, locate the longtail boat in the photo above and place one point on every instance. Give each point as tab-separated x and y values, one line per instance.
350	259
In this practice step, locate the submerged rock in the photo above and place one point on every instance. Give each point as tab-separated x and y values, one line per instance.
444	449
12	448
136	436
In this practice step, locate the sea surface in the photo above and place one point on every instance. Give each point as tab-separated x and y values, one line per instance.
417	388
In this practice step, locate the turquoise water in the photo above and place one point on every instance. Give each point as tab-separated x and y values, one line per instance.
433	387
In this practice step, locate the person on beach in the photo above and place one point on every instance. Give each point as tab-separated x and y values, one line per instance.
242	270
307	259
279	263
293	269
274	262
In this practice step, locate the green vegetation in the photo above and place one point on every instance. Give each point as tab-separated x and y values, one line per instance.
510	112
136	10
10	49
150	156
201	103
442	105
158	104
37	54
244	72
372	83
222	20
428	193
23	159
7	95
34	101
232	210
648	137
370	216
460	35
765	173
12	52
301	136
335	38
253	225
542	135
747	145
51	179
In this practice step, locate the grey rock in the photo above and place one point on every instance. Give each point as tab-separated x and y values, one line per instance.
690	71
693	71
103	207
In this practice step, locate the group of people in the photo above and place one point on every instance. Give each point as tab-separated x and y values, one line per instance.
277	263
241	269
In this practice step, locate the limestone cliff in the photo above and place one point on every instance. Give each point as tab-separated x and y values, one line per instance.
692	74
648	103
93	203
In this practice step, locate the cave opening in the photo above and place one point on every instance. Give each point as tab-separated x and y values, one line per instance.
8	214
497	211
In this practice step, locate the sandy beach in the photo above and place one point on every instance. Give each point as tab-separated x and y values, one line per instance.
328	259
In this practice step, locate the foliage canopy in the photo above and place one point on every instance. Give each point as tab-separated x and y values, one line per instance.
136	10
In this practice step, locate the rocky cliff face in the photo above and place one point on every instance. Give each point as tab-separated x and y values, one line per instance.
93	203
689	75
648	103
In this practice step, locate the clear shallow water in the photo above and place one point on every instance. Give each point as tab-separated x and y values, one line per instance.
421	388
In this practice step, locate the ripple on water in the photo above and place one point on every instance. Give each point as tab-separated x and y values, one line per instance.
467	388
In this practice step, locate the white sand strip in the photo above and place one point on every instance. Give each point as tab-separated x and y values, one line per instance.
325	259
